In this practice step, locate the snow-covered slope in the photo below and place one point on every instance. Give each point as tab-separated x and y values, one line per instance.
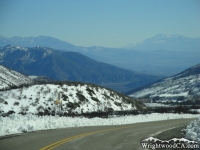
76	98
184	86
9	78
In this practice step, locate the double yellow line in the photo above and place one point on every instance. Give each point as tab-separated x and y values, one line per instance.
56	144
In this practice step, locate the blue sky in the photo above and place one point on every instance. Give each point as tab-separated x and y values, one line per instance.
108	23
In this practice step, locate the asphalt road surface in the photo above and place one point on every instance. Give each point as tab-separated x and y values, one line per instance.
118	137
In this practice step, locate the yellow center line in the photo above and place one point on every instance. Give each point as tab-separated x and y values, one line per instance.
56	144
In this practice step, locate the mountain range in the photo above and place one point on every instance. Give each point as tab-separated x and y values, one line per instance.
162	54
181	87
72	66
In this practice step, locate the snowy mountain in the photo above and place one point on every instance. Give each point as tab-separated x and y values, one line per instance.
181	87
64	65
10	78
76	98
166	42
45	41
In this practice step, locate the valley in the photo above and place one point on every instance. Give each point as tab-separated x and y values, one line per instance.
61	65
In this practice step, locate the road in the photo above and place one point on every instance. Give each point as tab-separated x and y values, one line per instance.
118	137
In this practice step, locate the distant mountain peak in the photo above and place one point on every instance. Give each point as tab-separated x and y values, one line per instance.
166	42
162	36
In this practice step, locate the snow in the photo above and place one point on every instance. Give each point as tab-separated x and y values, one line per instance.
158	105
172	95
45	95
172	89
10	78
193	130
33	77
16	123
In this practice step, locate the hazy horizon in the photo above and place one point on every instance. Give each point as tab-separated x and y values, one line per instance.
111	23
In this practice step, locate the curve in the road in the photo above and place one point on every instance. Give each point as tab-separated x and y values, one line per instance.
52	146
116	137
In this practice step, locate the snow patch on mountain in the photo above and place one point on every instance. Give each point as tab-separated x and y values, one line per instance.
9	78
171	89
183	86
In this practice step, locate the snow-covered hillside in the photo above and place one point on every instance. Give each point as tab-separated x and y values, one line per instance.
76	98
183	86
9	78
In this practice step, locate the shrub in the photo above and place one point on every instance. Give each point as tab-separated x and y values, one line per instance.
106	96
50	99
90	92
109	110
10	112
2	100
95	99
36	100
16	103
117	104
81	97
73	105
24	110
65	97
40	110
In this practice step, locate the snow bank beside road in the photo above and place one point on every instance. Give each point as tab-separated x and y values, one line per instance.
193	130
17	123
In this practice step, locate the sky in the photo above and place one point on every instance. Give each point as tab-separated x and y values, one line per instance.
108	23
